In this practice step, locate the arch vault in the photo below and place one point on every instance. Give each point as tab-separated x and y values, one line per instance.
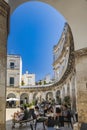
74	11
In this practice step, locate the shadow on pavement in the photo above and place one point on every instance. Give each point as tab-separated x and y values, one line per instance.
9	126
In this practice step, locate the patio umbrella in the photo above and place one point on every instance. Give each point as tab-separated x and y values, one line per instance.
12	99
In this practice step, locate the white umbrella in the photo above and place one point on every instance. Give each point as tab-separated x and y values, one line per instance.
12	99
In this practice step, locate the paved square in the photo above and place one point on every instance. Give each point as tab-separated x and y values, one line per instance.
10	112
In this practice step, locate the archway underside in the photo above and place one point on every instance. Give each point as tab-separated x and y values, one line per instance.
74	12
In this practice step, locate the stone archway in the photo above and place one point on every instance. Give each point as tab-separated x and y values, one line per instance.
73	11
49	96
10	103
35	95
24	98
11	95
37	98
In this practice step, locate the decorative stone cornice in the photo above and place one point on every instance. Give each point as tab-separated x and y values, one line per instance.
81	52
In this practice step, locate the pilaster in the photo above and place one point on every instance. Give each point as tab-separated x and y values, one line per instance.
4	20
81	85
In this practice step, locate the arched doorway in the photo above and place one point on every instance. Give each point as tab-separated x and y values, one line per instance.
36	98
11	95
24	98
10	102
49	96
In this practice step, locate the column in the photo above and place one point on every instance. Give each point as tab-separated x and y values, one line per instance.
61	94
44	95
4	16
18	97
73	93
65	86
54	94
70	85
30	97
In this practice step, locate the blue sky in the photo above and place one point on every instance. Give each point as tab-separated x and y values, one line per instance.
35	27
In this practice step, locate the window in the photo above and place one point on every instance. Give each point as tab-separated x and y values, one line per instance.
12	65
11	81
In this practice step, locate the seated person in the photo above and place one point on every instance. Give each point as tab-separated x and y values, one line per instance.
50	112
37	112
26	113
67	115
58	112
51	109
59	119
66	112
19	114
45	110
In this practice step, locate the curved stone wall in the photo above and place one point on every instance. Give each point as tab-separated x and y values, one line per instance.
61	54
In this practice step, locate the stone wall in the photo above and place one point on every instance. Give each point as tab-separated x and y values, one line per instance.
4	10
81	85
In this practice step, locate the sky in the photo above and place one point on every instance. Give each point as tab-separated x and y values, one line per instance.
35	27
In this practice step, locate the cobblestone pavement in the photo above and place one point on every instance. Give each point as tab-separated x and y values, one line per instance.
10	111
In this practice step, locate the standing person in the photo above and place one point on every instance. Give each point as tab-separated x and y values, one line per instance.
67	115
26	113
37	112
65	111
59	119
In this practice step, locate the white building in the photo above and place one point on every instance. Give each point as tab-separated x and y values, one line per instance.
28	79
47	78
14	70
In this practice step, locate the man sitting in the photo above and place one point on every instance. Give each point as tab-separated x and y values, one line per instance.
17	116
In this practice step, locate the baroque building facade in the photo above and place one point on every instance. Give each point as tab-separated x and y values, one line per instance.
61	53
